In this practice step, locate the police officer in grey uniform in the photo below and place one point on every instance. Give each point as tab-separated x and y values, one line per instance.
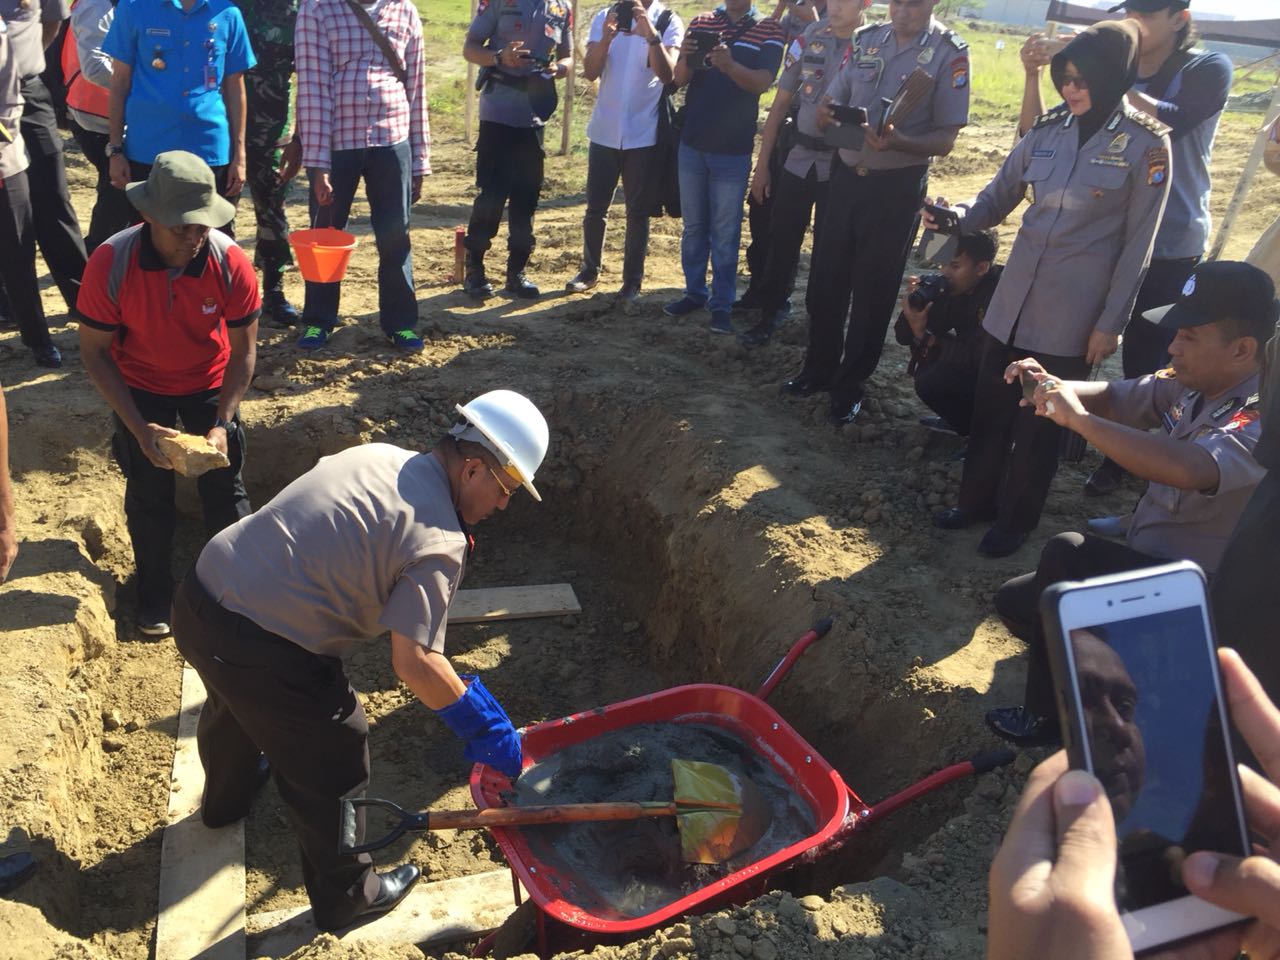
800	185
1190	431
874	194
524	46
1096	173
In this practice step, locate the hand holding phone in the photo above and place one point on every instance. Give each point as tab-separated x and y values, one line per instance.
945	220
843	114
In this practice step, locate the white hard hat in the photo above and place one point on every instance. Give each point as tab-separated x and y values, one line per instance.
511	428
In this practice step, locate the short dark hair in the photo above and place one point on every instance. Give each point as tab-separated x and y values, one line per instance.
1259	326
979	246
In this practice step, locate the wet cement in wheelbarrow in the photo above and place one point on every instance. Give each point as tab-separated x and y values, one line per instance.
629	869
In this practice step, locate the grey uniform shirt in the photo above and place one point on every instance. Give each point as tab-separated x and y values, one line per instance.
546	29
1193	524
811	63
1086	238
26	33
365	541
13	156
1268	451
877	67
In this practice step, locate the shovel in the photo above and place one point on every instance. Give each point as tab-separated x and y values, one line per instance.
718	815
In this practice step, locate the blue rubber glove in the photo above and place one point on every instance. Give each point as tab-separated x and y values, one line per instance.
479	719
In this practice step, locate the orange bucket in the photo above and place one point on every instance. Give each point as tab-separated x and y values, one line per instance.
322	253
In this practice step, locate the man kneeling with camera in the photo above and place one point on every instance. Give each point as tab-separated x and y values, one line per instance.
940	318
1199	466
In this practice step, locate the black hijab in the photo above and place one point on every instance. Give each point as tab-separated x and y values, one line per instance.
1106	55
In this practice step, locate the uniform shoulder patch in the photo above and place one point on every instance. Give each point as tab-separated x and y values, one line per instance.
956	40
1148	122
1053	116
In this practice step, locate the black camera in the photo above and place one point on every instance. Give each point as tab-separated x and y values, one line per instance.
625	12
930	288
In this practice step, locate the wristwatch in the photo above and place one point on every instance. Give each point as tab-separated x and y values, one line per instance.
655	40
224	424
115	150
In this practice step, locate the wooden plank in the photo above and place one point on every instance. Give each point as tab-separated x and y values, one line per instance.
201	870
433	913
513	603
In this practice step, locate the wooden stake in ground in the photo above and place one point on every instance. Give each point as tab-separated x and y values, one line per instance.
469	92
570	86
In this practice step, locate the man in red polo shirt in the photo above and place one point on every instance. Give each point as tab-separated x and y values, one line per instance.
170	319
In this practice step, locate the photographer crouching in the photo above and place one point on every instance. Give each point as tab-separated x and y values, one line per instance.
940	319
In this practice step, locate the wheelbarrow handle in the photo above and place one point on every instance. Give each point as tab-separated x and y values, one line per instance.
783	666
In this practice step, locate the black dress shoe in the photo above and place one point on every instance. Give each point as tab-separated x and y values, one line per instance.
763	331
277	310
1106	479
842	411
583	282
1023	728
395	885
997	542
629	293
48	357
953	518
477	286
518	285
801	385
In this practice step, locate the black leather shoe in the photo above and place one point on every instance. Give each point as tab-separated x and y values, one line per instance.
842	411
48	357
801	385
1023	728
1106	479
583	282
763	331
518	285
748	301
953	518
277	310
477	286
629	293
396	884
1000	543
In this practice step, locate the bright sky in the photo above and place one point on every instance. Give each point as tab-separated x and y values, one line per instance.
1216	9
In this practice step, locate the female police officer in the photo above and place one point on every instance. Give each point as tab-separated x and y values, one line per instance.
1096	173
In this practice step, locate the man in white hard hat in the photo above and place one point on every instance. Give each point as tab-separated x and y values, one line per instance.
370	540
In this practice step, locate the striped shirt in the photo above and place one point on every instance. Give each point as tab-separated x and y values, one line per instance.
720	117
349	97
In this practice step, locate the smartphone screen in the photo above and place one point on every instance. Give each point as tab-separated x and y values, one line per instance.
947	220
1145	715
847	114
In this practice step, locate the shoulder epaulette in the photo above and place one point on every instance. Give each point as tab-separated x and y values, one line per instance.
955	40
1053	116
865	28
1168	373
1148	122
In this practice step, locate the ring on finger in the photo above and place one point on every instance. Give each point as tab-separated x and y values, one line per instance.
1048	383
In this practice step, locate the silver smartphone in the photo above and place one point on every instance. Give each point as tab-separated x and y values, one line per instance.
1142	709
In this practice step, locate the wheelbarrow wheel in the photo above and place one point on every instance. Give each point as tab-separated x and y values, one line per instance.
517	933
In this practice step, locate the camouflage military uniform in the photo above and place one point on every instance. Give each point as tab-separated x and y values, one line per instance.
268	124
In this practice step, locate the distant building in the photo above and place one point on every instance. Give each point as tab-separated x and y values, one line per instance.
1023	12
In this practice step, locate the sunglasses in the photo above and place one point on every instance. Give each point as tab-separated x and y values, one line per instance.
1077	81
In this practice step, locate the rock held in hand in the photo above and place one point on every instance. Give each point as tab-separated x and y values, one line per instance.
191	455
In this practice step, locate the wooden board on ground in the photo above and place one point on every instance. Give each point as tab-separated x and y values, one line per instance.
201	870
513	603
433	913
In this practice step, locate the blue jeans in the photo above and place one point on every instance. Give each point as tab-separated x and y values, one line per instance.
712	189
387	183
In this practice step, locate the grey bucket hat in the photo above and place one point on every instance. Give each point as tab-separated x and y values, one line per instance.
180	190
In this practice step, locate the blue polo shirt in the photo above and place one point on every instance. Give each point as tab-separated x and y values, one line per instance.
179	60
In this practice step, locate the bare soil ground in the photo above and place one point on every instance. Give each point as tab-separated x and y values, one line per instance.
703	521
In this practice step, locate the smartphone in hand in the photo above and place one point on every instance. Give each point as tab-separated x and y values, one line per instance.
1141	705
945	219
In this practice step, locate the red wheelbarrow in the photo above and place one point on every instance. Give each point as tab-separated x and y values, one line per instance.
836	809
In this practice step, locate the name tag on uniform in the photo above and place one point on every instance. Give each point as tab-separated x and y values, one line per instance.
158	32
1043	154
1111	160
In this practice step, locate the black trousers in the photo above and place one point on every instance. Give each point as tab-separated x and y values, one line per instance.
18	261
140	171
1013	454
638	172
1146	346
794	201
866	233
1246	601
57	229
112	211
149	508
509	176
948	385
1068	556
268	695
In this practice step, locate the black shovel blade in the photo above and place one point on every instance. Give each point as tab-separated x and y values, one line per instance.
350	825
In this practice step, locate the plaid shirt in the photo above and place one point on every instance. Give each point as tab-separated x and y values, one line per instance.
348	95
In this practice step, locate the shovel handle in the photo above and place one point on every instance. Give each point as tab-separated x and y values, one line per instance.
783	666
495	817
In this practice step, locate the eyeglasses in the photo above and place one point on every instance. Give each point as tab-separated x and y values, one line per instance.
1077	81
506	492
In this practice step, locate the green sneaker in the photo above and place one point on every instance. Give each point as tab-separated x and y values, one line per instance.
313	338
406	341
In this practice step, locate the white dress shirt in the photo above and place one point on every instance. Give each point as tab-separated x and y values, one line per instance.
626	112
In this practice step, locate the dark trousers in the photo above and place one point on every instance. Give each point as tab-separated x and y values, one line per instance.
866	232
269	695
112	211
140	171
1146	345
18	261
509	175
149	508
1068	556
1246	601
57	229
794	200
1013	454
637	171
388	185
948	385
759	224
